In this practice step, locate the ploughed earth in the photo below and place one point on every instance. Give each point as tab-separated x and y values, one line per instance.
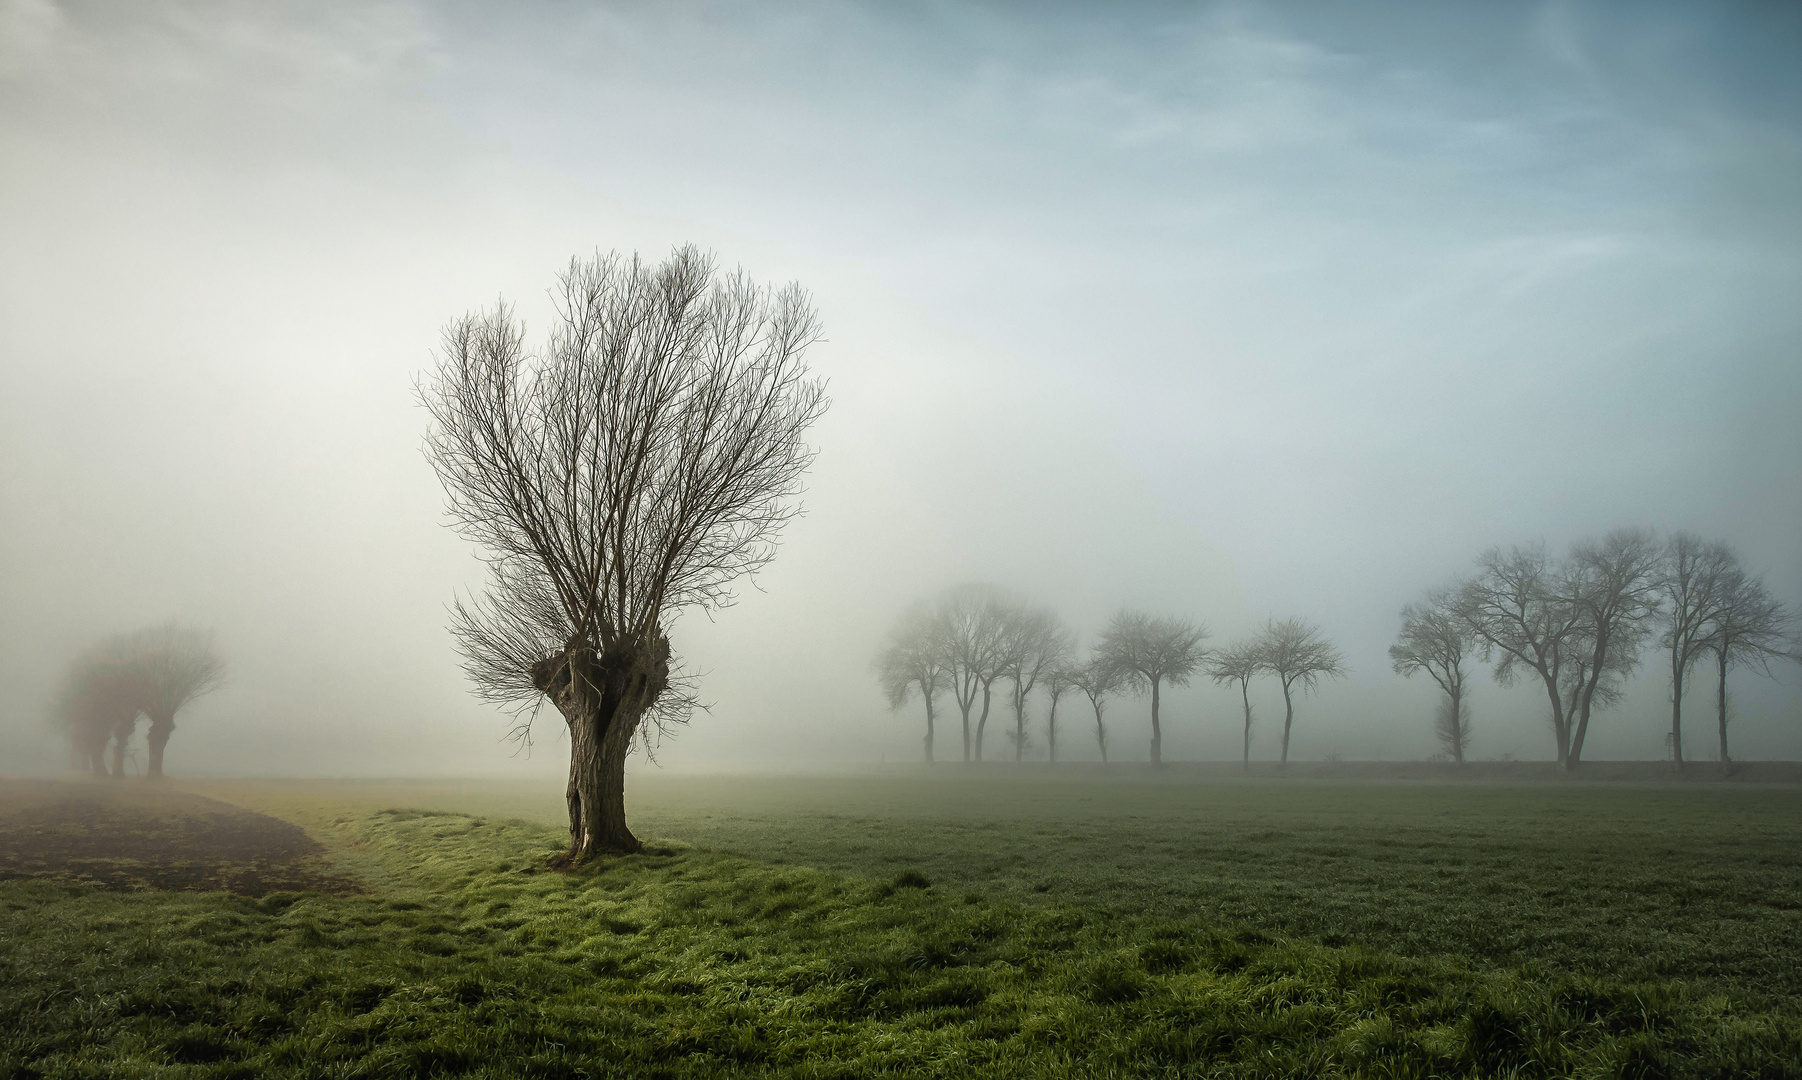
127	834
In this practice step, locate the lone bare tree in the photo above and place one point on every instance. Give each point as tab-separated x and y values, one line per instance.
1698	582
971	623
1752	629
1515	606
1150	651
1034	645
177	664
912	659
1613	585
1297	655
1240	663
645	458
1097	680
1437	640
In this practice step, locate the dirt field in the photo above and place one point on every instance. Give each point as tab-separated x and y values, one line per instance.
130	835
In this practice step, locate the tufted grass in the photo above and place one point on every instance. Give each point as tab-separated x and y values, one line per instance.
467	959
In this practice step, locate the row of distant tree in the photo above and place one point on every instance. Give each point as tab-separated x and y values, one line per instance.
1580	624
970	638
150	673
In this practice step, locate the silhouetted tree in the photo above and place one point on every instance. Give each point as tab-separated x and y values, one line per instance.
1240	663
912	659
1150	651
1613	585
178	664
1297	655
1436	639
970	626
1097	679
1516	607
645	458
1752	629
1060	680
99	702
1034	644
1697	580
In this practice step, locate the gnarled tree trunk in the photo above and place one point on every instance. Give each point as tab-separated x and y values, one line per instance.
603	697
161	727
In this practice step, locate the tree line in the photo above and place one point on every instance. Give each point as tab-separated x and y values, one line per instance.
150	673
1580	625
970	638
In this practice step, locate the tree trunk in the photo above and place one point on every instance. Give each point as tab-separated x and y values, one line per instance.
1019	728
1458	726
964	707
161	727
1720	707
1157	733
1676	710
1560	727
929	727
1051	732
1245	696
982	722
603	698
1288	718
1100	732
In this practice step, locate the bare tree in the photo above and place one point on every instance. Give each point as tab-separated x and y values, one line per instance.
1515	606
1697	581
1297	655
177	664
643	460
1240	663
913	659
1034	644
970	626
1613	585
1436	639
99	701
1098	679
1152	650
1752	629
1059	681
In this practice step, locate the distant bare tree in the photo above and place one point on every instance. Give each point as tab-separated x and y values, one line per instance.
1239	663
1613	585
1752	629
971	624
177	664
912	659
1697	580
1516	607
1098	679
1034	644
1436	639
1297	655
1058	681
99	702
1150	651
643	460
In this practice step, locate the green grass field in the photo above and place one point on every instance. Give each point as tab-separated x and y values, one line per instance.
937	926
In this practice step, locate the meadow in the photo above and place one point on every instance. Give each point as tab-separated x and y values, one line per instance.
948	926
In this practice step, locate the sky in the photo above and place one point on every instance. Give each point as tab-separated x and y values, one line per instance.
1224	311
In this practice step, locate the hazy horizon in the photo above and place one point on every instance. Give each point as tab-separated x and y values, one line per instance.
1224	311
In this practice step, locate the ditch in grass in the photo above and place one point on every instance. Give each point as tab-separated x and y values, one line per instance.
470	960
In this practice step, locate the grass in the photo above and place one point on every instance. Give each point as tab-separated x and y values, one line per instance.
914	953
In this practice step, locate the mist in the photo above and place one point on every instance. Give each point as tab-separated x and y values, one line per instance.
1224	312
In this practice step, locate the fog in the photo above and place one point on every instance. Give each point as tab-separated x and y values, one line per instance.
1227	312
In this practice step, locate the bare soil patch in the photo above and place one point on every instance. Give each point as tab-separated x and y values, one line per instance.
131	835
